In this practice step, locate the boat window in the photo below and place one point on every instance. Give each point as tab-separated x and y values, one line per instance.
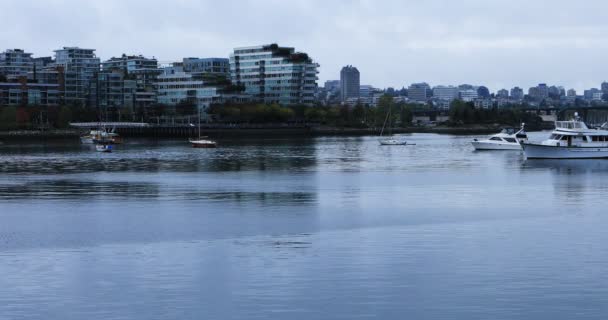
495	139
564	138
555	137
512	140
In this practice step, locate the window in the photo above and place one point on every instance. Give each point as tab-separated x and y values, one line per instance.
496	139
511	140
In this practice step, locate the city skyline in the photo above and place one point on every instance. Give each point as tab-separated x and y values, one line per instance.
499	45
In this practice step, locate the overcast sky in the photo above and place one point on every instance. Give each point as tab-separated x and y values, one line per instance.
497	43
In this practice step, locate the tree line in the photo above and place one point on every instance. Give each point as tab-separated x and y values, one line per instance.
358	116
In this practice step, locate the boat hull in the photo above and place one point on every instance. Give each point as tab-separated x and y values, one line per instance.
204	145
484	145
538	151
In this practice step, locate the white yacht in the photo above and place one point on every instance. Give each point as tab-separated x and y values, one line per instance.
570	140
507	139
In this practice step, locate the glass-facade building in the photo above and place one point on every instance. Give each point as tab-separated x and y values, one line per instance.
274	74
80	72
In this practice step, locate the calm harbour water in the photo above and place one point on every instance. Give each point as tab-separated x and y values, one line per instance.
319	228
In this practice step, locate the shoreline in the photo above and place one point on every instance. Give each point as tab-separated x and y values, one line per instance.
166	133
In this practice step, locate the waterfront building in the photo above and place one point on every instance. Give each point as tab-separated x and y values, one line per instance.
502	93
274	74
177	87
80	67
115	89
468	95
42	62
419	92
142	70
15	63
21	92
517	93
350	83
571	93
445	93
207	66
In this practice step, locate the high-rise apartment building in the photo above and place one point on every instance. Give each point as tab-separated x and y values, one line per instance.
350	83
139	69
15	63
80	67
275	74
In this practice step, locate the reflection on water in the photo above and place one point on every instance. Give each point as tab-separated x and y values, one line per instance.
315	228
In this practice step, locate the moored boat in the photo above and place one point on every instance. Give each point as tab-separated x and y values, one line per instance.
570	140
100	147
392	142
203	143
101	136
388	141
507	139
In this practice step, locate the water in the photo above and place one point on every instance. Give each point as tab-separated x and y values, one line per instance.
320	228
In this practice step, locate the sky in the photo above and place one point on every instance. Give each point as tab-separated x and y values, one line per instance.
496	43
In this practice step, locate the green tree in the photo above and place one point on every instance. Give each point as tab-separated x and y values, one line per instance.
64	117
8	118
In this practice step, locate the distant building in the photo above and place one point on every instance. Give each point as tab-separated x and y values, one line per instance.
534	93
332	85
21	92
503	93
80	71
207	66
517	94
366	91
482	103
543	91
590	94
115	89
15	63
571	93
604	87
350	82
42	62
419	92
468	95
176	86
274	74
445	93
142	70
554	92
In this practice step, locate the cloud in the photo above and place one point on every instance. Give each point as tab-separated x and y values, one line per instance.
393	42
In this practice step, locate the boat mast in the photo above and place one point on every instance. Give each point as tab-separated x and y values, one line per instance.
385	120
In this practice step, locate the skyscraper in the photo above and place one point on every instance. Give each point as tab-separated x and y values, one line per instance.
350	83
274	74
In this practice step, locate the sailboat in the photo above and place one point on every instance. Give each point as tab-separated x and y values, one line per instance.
389	141
202	142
